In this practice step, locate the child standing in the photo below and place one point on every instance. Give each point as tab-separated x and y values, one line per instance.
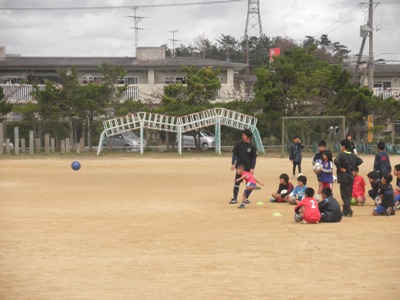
386	195
358	188
285	186
329	207
295	154
319	158
382	161
250	184
298	193
306	211
327	170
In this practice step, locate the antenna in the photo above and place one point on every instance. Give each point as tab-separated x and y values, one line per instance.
173	41
136	20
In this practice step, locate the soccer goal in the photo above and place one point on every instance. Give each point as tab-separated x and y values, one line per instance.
312	129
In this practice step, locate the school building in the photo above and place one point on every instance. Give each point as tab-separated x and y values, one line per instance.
147	73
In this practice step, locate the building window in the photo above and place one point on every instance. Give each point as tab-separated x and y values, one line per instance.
87	78
128	80
11	80
174	80
383	84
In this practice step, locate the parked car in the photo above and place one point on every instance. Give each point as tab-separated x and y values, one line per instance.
11	146
207	139
126	141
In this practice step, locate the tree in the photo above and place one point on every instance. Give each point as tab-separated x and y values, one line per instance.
385	112
5	107
70	103
202	85
300	83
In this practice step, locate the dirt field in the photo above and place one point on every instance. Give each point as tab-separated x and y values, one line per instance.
135	227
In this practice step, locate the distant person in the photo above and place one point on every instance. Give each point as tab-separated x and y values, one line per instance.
386	207
299	191
382	161
244	153
318	158
353	148
358	193
329	207
306	211
345	162
295	155
284	189
250	184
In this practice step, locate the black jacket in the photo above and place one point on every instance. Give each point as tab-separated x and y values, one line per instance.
348	161
244	154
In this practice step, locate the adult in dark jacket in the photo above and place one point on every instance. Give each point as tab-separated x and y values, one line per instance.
244	154
295	156
345	162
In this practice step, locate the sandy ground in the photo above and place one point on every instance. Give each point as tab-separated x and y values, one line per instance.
137	227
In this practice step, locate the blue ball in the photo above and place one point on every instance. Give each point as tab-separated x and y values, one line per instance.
75	165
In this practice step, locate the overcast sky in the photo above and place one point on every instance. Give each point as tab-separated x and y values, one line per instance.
108	31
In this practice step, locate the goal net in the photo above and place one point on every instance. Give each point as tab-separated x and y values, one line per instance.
313	129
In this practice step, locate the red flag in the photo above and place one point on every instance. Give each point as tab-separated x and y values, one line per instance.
274	52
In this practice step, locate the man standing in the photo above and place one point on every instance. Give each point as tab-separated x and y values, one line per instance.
245	154
345	163
295	154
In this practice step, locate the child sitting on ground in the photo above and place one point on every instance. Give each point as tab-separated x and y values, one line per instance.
250	184
298	193
329	207
375	181
385	192
358	194
396	173
306	211
284	189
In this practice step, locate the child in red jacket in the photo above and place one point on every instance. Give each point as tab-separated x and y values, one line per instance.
307	210
358	194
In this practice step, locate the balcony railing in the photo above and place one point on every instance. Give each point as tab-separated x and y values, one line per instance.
20	93
387	93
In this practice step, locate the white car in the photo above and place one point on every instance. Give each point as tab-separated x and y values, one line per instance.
11	146
126	141
207	139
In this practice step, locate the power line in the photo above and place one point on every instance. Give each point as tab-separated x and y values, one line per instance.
117	6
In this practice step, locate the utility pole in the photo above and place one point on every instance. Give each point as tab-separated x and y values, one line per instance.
370	65
136	21
253	21
173	41
253	26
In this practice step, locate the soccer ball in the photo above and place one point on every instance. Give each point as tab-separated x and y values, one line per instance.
75	165
283	192
293	198
317	167
334	179
353	202
298	218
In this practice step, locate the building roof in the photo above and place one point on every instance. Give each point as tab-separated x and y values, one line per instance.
381	69
127	62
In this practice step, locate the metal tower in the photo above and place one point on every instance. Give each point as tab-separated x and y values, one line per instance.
253	21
